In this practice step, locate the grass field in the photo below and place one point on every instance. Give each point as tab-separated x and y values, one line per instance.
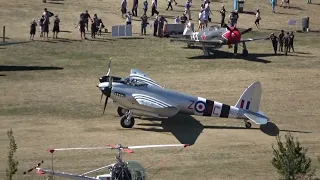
59	105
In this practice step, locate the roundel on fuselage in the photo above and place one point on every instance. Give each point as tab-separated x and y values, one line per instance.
200	106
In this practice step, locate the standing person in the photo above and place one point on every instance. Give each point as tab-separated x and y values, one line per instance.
223	15
145	6
204	19
258	18
286	43
161	24
56	27
233	19
144	23
154	7
124	8
135	8
273	5
155	26
274	41
128	18
281	38
200	21
208	11
309	2
86	17
183	18
291	38
33	27
41	20
187	9
82	28
93	29
169	5
46	23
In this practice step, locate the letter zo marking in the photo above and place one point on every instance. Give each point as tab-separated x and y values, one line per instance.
189	107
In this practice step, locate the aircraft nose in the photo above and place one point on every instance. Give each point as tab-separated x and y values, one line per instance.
103	85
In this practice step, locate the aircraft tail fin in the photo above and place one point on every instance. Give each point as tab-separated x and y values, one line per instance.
188	30
250	99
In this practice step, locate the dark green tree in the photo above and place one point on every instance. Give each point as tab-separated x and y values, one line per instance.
12	162
290	159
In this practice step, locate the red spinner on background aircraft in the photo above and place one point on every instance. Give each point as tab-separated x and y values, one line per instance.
214	37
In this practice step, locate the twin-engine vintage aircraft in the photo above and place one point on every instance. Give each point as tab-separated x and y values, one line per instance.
139	95
120	170
215	37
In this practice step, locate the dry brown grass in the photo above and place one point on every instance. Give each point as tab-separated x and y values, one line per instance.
60	108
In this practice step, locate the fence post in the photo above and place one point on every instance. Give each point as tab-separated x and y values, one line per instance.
4	33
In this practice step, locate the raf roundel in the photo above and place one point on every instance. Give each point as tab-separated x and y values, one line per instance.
200	106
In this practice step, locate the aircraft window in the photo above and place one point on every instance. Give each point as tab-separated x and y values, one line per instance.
133	82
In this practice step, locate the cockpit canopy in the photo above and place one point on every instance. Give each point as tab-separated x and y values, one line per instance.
132	82
137	170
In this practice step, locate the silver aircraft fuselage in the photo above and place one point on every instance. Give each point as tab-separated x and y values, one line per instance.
124	96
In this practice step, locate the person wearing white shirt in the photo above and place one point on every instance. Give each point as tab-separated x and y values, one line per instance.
128	18
258	18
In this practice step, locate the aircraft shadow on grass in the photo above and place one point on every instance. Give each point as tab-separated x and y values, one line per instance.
217	54
28	68
187	129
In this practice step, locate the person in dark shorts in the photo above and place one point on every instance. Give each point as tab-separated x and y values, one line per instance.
46	27
33	26
86	17
56	27
82	28
93	29
286	43
281	38
291	38
258	18
274	41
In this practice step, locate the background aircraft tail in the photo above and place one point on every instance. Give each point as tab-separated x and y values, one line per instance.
250	98
187	29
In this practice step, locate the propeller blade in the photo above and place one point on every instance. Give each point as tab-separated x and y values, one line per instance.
110	82
246	31
109	68
101	97
105	104
228	28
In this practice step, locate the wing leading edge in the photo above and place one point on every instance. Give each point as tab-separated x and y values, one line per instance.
63	174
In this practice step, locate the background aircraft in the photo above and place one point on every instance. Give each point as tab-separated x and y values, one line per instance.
215	37
120	170
139	95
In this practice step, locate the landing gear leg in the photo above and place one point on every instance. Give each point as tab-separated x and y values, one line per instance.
127	121
205	50
244	51
247	124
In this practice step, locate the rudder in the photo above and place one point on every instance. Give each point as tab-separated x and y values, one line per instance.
250	99
187	29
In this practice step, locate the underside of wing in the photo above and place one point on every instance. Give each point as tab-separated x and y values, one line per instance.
206	42
254	39
257	119
161	107
63	174
140	76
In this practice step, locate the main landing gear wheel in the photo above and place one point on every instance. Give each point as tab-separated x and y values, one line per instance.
248	125
121	111
127	122
245	53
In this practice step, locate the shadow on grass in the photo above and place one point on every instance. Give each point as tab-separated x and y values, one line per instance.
28	68
187	129
227	55
248	12
13	43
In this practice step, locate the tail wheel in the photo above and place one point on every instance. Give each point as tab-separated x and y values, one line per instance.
248	125
121	111
127	123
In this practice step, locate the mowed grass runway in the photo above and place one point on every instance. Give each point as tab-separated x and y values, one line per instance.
59	105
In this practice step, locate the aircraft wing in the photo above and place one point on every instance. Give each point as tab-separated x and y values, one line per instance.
140	76
257	118
63	174
254	39
206	42
157	106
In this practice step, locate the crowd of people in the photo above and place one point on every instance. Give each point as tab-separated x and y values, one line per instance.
285	41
